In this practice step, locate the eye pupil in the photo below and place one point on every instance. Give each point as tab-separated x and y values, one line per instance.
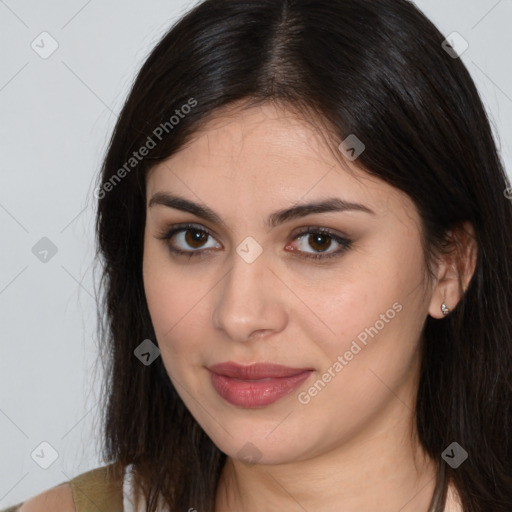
197	239
317	239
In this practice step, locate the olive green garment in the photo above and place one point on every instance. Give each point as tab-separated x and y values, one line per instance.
93	491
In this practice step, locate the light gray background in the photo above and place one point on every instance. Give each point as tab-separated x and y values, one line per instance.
56	116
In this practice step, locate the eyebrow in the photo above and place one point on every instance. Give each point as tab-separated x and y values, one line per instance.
332	204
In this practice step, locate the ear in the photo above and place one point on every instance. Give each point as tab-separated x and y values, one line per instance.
455	270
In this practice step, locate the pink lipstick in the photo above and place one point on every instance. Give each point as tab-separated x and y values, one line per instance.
255	385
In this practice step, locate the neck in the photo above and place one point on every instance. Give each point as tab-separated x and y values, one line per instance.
384	470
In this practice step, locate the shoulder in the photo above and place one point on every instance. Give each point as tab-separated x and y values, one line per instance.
98	488
56	499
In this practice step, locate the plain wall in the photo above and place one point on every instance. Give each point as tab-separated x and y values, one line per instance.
56	117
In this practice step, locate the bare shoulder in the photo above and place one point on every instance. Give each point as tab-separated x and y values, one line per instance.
56	499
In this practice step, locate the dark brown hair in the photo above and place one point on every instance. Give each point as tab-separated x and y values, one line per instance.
374	68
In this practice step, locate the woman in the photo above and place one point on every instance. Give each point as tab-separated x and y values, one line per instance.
306	280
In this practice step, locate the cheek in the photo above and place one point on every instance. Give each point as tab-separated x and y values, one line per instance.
351	301
159	288
372	321
174	298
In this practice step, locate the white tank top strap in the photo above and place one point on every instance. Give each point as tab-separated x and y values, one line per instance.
129	494
128	490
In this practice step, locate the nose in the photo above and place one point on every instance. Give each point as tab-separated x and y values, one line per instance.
250	301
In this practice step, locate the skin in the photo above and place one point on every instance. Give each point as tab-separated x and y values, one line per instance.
56	499
353	446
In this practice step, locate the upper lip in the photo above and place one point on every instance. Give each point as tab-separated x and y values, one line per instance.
255	371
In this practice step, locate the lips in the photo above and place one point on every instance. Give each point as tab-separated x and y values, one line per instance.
256	385
256	371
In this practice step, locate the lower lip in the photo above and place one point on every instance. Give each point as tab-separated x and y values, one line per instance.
256	393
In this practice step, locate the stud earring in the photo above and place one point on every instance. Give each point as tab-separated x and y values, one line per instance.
445	309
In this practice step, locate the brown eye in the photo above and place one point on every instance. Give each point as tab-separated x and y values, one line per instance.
196	238
188	240
319	242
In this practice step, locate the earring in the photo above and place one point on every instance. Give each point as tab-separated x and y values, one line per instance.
445	309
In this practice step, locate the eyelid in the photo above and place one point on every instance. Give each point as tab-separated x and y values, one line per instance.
168	233
343	240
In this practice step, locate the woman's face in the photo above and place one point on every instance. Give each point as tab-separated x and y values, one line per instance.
248	290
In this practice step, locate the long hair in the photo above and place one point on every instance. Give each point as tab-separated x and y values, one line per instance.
374	68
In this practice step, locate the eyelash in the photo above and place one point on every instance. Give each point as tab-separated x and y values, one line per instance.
344	242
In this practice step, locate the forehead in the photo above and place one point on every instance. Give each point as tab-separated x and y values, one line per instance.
268	154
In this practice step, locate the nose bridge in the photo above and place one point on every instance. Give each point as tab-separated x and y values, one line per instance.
246	300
